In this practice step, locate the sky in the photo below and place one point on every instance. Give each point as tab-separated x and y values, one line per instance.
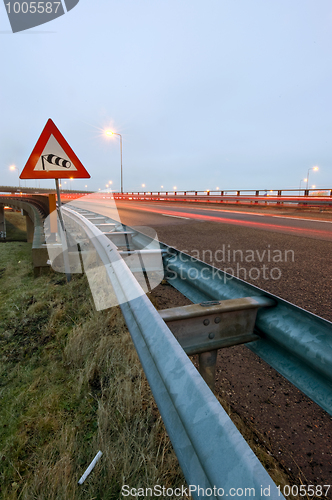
234	94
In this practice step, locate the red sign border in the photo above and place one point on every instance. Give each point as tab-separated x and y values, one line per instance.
28	171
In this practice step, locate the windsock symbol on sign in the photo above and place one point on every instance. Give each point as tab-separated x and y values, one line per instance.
55	160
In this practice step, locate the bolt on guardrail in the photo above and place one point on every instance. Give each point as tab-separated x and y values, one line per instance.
208	326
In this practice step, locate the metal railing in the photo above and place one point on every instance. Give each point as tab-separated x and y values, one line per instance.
279	197
297	343
201	432
35	212
19	190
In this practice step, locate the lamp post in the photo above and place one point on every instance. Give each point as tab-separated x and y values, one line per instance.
312	168
12	167
109	133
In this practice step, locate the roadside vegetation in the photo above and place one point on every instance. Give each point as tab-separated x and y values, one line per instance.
71	384
15	226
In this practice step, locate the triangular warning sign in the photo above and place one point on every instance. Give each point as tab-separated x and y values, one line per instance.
53	158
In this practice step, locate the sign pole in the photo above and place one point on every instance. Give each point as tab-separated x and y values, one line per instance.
53	158
63	237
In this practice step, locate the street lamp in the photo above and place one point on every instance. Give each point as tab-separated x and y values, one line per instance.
109	133
311	168
12	167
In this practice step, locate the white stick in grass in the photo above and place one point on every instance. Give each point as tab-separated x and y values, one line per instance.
89	469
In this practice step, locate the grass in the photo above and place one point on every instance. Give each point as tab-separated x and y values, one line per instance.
71	384
15	226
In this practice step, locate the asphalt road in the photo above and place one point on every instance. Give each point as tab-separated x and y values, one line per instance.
295	223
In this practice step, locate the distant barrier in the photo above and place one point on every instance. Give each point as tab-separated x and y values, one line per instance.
286	197
34	214
302	198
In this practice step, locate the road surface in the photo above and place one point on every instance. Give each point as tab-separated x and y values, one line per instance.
140	213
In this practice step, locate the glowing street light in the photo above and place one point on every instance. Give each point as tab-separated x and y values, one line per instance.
109	133
312	168
13	167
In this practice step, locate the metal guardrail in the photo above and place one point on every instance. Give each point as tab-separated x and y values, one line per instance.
19	190
275	198
237	192
297	343
201	432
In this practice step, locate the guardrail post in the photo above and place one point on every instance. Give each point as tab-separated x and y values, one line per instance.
207	367
257	194
53	215
2	224
29	226
279	194
63	236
